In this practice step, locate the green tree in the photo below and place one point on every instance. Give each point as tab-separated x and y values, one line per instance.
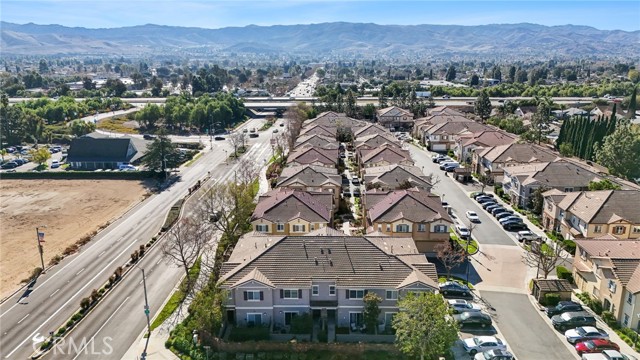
604	184
369	110
631	112
541	120
451	73
422	326
149	115
482	106
161	154
475	80
371	311
207	309
40	156
80	127
566	149
620	152
536	202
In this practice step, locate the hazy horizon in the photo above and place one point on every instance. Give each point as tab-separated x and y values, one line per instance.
602	15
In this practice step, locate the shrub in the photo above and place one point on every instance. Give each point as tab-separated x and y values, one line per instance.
85	303
596	306
563	273
76	317
94	295
69	323
302	324
249	334
569	246
56	260
551	299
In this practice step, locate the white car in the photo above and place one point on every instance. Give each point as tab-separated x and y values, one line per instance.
527	235
463	231
459	306
478	344
472	216
584	333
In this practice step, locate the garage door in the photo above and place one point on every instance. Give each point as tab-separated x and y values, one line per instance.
438	147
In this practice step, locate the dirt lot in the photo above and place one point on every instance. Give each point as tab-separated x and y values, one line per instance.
69	208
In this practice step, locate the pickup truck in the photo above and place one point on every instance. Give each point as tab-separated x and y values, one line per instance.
607	355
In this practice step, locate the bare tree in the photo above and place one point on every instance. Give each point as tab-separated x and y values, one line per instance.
238	140
185	242
484	181
450	256
296	115
544	257
433	179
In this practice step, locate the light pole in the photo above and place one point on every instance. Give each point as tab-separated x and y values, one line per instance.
40	240
146	312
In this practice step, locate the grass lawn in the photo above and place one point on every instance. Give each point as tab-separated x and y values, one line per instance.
473	245
116	125
442	279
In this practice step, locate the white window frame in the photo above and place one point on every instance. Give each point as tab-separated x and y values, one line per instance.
393	293
296	228
615	229
630	298
597	229
355	291
437	228
291	293
388	227
253	296
401	227
315	290
625	322
422	227
280	227
332	290
311	227
636	230
612	286
259	228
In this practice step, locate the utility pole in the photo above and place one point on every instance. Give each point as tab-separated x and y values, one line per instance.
146	312
40	248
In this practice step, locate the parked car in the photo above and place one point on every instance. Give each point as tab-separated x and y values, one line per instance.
458	306
472	216
526	235
245	130
355	181
451	168
584	333
281	124
275	131
476	195
473	319
497	354
9	165
20	161
607	355
148	137
510	218
443	159
437	157
484	199
514	226
478	344
446	164
462	231
452	288
356	192
252	130
504	214
563	307
127	167
486	204
218	138
497	210
253	135
55	164
573	319
346	193
494	206
596	346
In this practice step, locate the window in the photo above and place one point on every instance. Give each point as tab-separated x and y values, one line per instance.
315	290
253	295
636	229
612	286
388	227
392	294
355	294
422	227
254	319
379	227
356	318
402	228
298	228
388	319
262	228
290	294
332	290
440	228
288	316
568	189
630	298
597	229
619	230
626	320
280	227
583	254
549	206
311	227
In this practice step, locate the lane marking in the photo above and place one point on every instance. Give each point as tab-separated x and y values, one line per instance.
80	352
79	272
54	292
102	253
70	299
21	320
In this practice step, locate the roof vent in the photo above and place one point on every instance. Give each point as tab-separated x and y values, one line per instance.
330	262
380	265
316	260
321	251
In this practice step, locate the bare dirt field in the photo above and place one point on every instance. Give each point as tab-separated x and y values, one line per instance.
69	208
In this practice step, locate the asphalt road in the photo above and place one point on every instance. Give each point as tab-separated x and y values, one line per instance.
120	318
487	231
526	332
35	312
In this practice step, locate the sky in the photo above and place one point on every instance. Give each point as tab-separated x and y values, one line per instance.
602	14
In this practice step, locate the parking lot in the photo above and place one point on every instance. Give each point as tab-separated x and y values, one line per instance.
22	158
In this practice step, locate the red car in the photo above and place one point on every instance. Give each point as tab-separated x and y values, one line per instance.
595	346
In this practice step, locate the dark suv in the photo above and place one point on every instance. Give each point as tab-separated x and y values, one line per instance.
563	307
570	320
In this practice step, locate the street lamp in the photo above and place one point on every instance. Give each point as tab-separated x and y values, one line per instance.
146	312
40	240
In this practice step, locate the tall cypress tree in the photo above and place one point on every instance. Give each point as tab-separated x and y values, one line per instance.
631	113
591	140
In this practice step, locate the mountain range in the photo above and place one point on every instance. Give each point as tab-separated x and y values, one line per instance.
514	40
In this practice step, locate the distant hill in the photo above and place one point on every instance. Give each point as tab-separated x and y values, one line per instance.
512	40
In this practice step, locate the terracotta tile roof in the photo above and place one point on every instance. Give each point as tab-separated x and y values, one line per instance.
312	155
351	261
412	205
518	153
391	176
605	206
309	175
284	205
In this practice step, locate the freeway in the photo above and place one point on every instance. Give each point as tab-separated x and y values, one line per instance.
49	302
119	318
